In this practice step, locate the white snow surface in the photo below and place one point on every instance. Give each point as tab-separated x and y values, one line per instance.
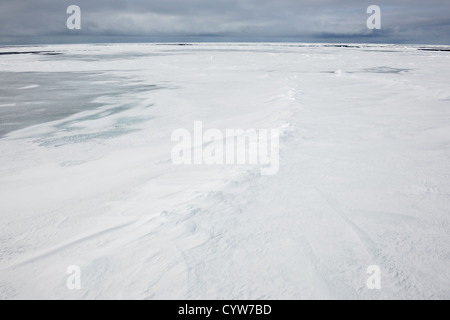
364	176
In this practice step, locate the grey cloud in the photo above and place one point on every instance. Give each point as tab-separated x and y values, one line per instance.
303	20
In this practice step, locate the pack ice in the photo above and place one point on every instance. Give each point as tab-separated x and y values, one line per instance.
87	182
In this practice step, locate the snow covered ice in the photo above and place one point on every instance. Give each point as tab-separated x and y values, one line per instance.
86	177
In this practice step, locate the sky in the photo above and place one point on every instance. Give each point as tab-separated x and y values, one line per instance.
339	21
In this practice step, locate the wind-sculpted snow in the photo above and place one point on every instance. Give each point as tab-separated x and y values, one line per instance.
87	179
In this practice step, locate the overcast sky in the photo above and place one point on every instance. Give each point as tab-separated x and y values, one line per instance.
403	21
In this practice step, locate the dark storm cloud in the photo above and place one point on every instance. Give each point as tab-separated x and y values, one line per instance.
403	21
